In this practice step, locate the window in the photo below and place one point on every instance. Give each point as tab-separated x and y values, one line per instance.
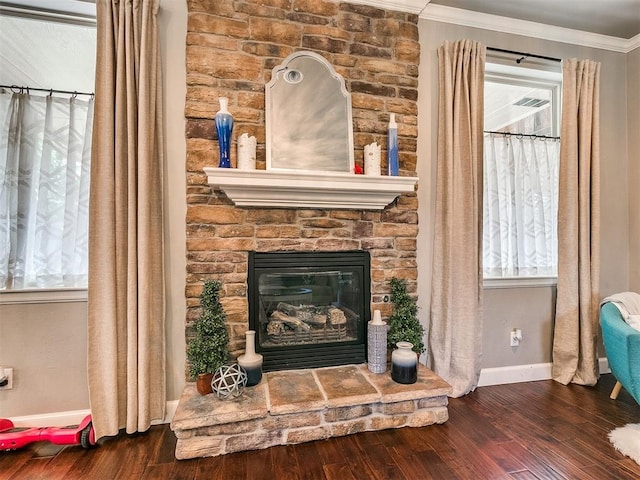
45	140
521	159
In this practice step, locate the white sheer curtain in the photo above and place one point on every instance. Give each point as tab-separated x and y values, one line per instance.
45	154
520	206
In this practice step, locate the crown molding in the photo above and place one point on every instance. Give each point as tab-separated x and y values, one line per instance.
409	6
634	43
440	13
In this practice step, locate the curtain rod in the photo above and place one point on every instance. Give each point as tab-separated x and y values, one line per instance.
51	91
47	14
532	135
523	55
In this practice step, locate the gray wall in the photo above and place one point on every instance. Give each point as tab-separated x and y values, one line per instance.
46	344
173	33
633	119
530	309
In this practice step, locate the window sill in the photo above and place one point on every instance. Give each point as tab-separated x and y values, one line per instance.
519	282
65	295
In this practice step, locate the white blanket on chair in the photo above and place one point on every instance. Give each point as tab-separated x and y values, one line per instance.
629	305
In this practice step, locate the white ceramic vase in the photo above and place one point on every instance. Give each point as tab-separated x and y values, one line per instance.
251	361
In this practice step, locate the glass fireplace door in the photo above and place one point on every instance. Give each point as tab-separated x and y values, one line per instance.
309	309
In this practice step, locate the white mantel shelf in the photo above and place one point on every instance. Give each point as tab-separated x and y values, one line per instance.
296	189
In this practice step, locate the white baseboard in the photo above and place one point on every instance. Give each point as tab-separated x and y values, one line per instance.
74	417
54	419
603	363
524	373
514	374
169	412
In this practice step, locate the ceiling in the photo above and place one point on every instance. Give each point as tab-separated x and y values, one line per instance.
615	18
609	19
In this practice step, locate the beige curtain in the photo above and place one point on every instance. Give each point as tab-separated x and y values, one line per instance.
455	330
576	323
126	359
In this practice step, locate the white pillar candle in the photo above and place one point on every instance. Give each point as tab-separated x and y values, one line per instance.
246	152
372	159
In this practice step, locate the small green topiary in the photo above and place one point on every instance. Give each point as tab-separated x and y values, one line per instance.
209	349
404	325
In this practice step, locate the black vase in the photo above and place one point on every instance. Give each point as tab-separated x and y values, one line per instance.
404	364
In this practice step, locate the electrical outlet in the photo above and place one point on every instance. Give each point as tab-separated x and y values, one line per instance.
6	378
516	337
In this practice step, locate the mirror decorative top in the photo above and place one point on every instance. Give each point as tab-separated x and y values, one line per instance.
308	116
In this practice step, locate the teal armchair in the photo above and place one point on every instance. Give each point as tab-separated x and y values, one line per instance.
622	346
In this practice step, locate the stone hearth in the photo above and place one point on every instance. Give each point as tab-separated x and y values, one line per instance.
297	406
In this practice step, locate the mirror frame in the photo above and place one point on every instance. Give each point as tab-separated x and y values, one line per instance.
311	159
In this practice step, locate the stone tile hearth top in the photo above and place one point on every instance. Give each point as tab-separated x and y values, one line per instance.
195	410
346	385
297	391
293	391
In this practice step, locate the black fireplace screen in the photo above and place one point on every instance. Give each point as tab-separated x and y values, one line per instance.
309	309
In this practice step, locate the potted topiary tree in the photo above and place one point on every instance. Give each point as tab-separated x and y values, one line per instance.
404	325
209	348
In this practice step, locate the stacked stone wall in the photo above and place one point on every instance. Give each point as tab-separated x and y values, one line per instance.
231	49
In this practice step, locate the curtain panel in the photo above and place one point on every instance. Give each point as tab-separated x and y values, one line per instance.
575	356
520	206
126	325
455	327
45	158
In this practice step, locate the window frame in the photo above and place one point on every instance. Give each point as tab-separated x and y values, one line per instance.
545	76
43	295
507	74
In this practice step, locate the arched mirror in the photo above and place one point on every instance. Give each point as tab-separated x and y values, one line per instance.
308	116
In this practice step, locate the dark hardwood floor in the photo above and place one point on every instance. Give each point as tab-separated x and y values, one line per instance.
536	430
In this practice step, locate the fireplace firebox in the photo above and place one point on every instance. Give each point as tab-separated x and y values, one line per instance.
309	309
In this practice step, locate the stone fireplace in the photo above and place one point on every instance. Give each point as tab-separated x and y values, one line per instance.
231	49
309	309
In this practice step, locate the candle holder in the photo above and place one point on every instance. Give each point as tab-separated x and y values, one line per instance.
377	344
